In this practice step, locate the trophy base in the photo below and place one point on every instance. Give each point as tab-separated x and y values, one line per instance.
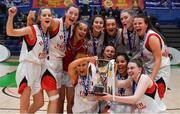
99	90
100	94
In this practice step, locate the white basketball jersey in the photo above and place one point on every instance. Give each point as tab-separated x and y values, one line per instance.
149	100
148	57
82	102
57	45
32	52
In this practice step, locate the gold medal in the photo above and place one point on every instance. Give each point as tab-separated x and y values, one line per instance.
85	100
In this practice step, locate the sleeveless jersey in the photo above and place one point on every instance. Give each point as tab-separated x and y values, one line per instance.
131	43
148	57
84	99
31	51
57	44
149	100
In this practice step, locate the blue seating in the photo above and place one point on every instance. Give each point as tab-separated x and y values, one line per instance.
13	45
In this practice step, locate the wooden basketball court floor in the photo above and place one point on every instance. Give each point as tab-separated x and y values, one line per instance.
9	99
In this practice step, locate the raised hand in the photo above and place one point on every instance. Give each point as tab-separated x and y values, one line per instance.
12	11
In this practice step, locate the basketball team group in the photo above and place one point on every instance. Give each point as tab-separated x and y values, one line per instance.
56	54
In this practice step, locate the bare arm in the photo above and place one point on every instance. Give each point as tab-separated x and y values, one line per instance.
142	86
123	83
72	68
30	17
9	26
155	46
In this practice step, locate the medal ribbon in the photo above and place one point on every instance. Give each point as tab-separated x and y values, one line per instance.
45	38
67	34
85	83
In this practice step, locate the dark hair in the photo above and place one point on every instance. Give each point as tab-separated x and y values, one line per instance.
42	8
39	13
148	21
105	31
75	6
72	5
124	55
107	18
138	62
102	52
92	21
78	23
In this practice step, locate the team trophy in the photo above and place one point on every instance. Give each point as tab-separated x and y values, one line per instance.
106	74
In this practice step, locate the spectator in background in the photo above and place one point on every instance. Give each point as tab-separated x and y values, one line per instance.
103	11
2	16
95	11
110	12
116	15
9	3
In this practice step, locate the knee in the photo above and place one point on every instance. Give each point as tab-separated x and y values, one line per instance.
54	98
39	104
61	98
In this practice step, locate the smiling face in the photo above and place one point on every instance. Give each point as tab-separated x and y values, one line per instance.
82	69
122	64
127	20
133	70
111	26
72	15
45	17
98	24
81	31
109	52
140	26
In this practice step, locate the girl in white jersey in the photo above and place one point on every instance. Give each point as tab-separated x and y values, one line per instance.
145	96
84	99
154	54
53	78
70	18
33	53
129	39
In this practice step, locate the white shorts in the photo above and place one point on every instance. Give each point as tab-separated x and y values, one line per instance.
165	74
54	66
32	73
65	80
120	108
